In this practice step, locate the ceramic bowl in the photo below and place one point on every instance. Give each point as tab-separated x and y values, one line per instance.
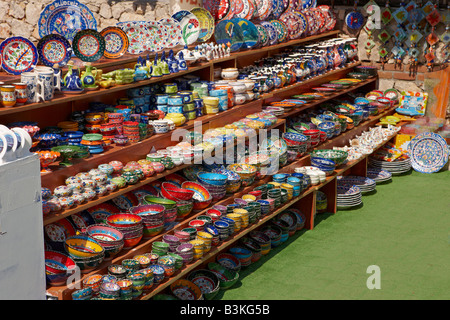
211	178
173	192
104	235
207	281
122	220
86	265
227	277
57	266
83	247
186	290
202	197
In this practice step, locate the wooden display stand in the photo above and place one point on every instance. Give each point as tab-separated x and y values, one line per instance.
49	113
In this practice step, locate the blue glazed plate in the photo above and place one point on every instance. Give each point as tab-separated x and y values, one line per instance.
228	32
249	32
18	55
354	20
66	18
54	49
271	31
428	152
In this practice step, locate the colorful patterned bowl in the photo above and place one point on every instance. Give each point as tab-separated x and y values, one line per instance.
127	220
173	192
202	197
186	290
83	247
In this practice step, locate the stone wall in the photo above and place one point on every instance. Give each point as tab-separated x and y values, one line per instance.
20	17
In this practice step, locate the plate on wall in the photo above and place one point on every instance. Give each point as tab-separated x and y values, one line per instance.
54	49
66	18
264	9
272	32
116	42
190	26
227	31
174	32
157	36
88	45
263	36
18	55
206	23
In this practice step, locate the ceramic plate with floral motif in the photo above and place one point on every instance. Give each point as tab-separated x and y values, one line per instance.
157	36
206	23
54	49
263	36
282	30
116	42
174	32
294	24
137	34
190	26
88	45
18	55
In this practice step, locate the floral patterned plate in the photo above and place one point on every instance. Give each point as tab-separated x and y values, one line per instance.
174	32
116	42
88	45
294	24
65	17
190	26
18	55
137	34
206	23
54	49
282	30
263	36
157	36
428	152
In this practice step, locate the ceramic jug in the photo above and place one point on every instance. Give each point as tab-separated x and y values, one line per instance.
88	79
73	82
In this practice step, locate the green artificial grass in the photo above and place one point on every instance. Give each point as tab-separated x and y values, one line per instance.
403	227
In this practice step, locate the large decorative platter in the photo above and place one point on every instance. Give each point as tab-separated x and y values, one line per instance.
273	34
277	9
282	30
263	35
294	24
54	49
88	45
137	34
264	9
249	31
174	32
227	31
221	10
206	23
157	36
18	55
116	42
330	18
190	26
66	18
428	152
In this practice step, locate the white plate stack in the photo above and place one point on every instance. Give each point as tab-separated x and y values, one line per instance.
394	167
348	196
379	176
363	183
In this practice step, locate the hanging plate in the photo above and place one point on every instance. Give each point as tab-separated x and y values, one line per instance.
277	9
281	30
428	152
273	35
206	23
137	34
18	55
190	26
54	49
293	23
354	20
265	9
88	45
66	18
263	36
116	42
174	32
228	32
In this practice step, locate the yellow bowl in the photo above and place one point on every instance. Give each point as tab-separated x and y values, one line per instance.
275	184
211	101
83	247
249	197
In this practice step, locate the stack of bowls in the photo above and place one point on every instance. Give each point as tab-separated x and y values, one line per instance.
207	238
152	217
230	223
202	198
158	273
125	289
284	226
275	194
289	190
131	265
130	225
149	279
296	183
215	183
170	212
82	294
229	261
58	267
244	217
222	228
178	260
184	208
227	277
274	233
138	282
131	130
243	254
118	271
326	165
210	228
233	182
207	281
236	219
168	263
314	136
253	246
265	207
328	127
186	251
172	241
109	291
338	156
262	239
198	248
109	238
86	252
247	172
160	248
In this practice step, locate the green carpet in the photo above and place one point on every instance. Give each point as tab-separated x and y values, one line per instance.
403	228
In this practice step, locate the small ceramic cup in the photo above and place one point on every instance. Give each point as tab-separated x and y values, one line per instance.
8	93
21	93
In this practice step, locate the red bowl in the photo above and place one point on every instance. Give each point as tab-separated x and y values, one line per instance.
127	220
56	262
256	193
173	192
197	224
132	242
214	214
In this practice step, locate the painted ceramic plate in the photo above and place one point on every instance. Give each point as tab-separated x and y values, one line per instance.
277	8
206	23
243	9
157	36
249	31
263	36
293	23
428	152
354	20
190	26
174	32
137	34
219	10
54	49
228	32
282	30
88	45
264	9
116	42
272	32
18	55
66	18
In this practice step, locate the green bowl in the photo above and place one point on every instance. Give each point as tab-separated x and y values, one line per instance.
167	203
338	156
227	278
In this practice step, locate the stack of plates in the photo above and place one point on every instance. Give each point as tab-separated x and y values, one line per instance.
378	175
364	184
394	167
348	196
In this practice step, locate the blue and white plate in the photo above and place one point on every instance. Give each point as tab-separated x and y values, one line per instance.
271	31
428	152
54	49
18	55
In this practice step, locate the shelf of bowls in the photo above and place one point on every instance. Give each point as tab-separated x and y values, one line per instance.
162	204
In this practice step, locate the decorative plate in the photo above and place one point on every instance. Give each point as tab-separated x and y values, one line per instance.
263	36
206	23
306	4
102	211
428	152
264	9
249	31
282	30
18	55
157	36
293	22
116	42
330	17
66	18
272	32
54	49
354	20
228	32
190	26
221	10
174	32
277	9
242	8
88	45
137	34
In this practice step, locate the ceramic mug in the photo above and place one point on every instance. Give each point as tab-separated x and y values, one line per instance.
45	82
30	79
8	93
21	93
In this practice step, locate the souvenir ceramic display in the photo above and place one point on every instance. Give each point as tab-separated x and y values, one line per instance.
206	21
296	23
66	18
18	55
348	196
271	31
88	45
157	35
364	184
54	49
116	42
190	26
379	176
428	152
174	32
